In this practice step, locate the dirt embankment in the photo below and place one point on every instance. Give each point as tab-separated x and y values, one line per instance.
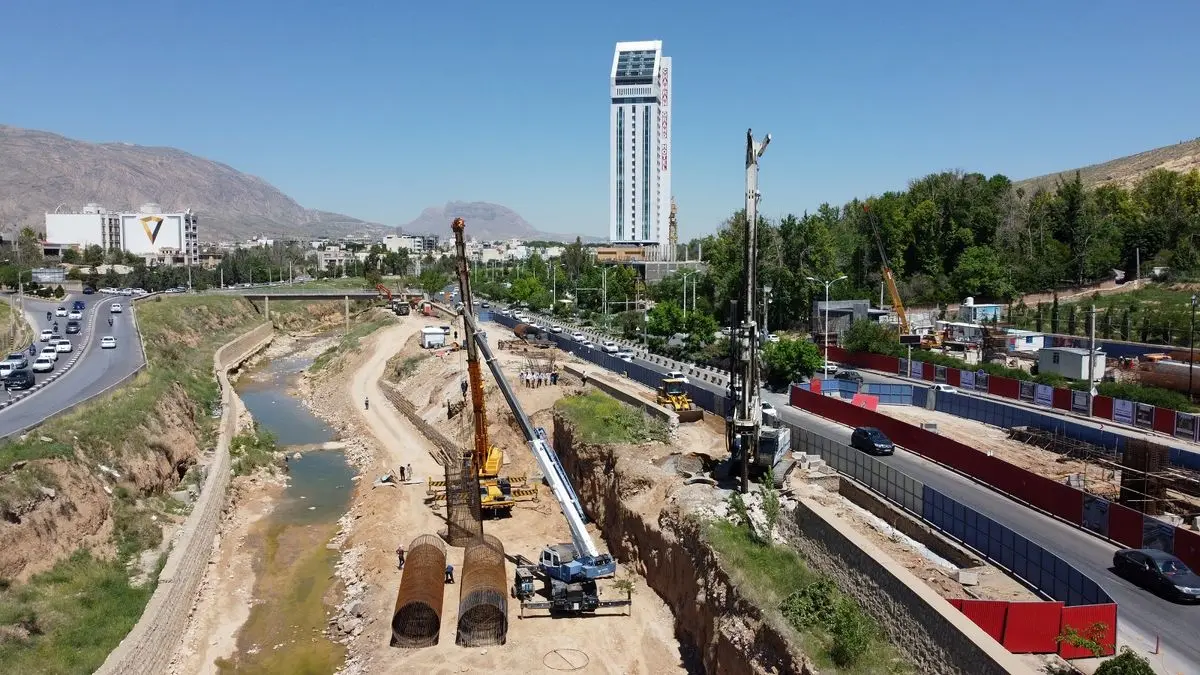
636	507
44	524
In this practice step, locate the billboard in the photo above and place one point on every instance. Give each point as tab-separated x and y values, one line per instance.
146	233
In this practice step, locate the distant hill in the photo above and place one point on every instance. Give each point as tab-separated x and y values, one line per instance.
40	170
1181	157
485	222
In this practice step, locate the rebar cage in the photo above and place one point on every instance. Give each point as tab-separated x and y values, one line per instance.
464	522
417	621
483	598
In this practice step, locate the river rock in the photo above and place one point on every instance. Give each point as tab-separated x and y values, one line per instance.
355	608
296	456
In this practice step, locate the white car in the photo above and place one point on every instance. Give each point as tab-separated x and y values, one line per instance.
678	375
74	315
609	347
45	336
7	368
115	308
43	364
555	329
944	387
48	353
625	355
578	337
589	344
61	311
64	346
769	410
829	368
108	342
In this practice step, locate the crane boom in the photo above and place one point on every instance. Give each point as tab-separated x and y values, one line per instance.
473	372
890	278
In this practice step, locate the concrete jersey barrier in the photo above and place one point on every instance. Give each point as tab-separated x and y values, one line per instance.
148	648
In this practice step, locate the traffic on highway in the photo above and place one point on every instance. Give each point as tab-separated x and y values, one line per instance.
1147	617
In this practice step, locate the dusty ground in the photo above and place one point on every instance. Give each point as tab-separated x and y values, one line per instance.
995	440
383	517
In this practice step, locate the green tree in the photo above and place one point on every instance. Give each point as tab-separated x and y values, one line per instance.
431	281
871	336
666	319
788	361
701	329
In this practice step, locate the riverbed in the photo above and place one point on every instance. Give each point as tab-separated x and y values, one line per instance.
294	586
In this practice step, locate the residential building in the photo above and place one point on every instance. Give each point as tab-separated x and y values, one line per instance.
332	256
640	148
1071	362
160	237
92	226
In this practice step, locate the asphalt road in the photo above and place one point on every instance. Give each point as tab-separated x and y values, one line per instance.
97	369
1143	616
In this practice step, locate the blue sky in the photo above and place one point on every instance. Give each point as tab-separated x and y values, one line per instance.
380	109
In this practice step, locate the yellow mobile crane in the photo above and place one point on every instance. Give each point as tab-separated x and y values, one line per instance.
901	314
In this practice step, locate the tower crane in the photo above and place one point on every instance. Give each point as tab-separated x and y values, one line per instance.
570	570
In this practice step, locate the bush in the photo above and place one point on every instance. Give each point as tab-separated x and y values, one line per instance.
814	605
853	633
1126	663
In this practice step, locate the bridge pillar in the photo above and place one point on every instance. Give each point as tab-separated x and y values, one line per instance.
267	306
347	299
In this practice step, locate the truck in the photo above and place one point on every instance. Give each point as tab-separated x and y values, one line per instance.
532	336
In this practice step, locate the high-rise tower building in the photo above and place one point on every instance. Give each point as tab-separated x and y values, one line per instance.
640	148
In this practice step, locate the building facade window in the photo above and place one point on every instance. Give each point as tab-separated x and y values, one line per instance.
620	172
646	127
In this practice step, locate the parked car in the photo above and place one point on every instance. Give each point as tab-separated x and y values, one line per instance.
872	441
43	364
849	376
108	342
19	379
61	311
1159	572
45	335
72	327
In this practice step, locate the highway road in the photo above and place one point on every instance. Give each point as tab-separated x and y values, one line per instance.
1142	615
96	370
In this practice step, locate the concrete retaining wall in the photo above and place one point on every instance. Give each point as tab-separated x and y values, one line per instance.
150	645
935	636
653	409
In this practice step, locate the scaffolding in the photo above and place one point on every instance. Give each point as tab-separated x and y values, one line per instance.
464	522
417	620
483	598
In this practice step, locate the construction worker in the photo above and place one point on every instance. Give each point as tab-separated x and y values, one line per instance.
408	472
400	555
449	574
366	403
402	478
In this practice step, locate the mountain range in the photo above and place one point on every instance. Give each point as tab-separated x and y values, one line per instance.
41	172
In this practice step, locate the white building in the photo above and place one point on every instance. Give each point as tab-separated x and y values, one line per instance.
1070	362
640	147
93	226
432	337
395	242
150	232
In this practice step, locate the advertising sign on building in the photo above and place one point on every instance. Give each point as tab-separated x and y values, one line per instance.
1027	389
149	233
966	379
1079	402
915	369
939	374
1122	411
981	380
1143	415
1185	426
49	275
664	117
1043	395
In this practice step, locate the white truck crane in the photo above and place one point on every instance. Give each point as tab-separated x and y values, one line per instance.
569	570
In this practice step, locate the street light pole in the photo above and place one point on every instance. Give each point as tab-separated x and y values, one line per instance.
766	309
825	327
1192	347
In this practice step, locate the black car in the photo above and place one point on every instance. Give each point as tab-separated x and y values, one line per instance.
19	379
72	327
872	441
1158	571
88	290
78	305
850	376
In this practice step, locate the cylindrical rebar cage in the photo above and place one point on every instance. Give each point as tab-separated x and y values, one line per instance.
483	597
464	523
418	618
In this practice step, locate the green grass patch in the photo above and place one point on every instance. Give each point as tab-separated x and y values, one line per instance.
599	418
250	450
67	620
830	627
351	341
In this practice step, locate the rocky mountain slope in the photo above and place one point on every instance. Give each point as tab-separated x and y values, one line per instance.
485	222
40	170
1183	156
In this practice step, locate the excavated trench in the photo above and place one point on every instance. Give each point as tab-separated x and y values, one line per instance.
720	630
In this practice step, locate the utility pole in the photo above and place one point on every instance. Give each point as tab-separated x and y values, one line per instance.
604	294
1092	355
747	418
221	272
766	309
1192	347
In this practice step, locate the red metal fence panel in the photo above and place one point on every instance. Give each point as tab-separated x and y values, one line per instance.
814	385
954	377
837	353
1061	398
1102	407
1031	627
1097	623
1187	547
956	603
1164	421
1004	386
865	401
1125	526
928	370
988	615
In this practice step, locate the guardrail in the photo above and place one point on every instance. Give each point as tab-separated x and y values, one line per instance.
149	646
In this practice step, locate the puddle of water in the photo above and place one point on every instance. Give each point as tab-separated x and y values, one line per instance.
294	570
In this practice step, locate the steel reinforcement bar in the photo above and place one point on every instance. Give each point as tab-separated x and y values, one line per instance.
417	621
483	598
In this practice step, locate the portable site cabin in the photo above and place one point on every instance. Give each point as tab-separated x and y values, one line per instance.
432	337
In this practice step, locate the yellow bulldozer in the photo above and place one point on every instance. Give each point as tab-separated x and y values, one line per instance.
672	395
